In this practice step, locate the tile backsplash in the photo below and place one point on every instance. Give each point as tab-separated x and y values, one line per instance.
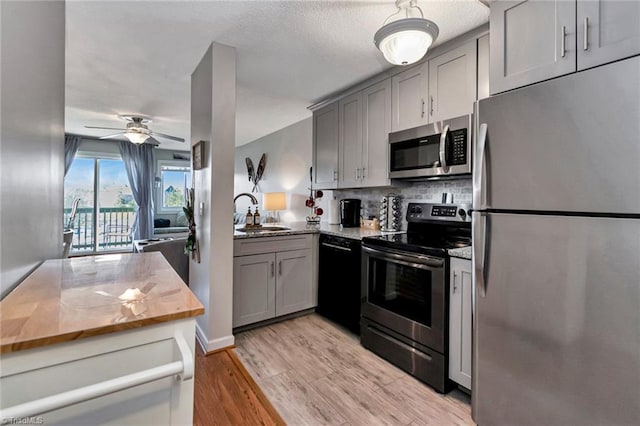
421	192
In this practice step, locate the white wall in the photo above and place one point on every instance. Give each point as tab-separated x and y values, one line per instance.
288	160
32	137
213	106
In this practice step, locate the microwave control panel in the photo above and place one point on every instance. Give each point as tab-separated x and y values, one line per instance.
458	147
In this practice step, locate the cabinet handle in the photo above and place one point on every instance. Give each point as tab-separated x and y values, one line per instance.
357	174
454	282
362	174
280	268
183	369
422	114
431	98
586	33
335	175
562	41
273	269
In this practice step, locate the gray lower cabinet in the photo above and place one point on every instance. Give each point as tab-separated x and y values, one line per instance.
273	276
294	290
254	288
531	41
608	30
460	322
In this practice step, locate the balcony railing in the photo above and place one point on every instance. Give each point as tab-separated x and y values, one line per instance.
113	229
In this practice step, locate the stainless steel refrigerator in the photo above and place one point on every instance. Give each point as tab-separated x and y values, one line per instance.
556	244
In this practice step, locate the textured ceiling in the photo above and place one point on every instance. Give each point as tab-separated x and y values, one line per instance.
127	57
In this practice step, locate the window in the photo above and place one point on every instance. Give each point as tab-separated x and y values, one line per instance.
174	180
102	185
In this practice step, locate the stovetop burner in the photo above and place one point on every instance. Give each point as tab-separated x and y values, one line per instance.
432	229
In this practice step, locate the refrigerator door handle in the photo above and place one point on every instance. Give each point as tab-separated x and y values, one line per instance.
443	149
480	225
479	176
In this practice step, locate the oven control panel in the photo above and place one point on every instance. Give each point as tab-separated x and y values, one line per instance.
421	212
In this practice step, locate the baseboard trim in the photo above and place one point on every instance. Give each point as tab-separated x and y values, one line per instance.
209	346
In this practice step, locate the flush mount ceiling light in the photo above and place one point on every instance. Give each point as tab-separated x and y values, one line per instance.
406	40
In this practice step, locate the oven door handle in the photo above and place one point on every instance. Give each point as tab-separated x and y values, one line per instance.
413	260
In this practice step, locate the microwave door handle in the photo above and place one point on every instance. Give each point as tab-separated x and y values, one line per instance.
443	149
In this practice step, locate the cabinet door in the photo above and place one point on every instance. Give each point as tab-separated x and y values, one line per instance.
460	322
483	67
325	146
294	285
531	41
254	285
376	122
608	30
410	89
350	152
452	83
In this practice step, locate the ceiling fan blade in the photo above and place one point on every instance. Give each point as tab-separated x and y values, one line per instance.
152	141
173	138
105	128
111	136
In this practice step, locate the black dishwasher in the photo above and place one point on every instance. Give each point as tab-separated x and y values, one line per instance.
339	281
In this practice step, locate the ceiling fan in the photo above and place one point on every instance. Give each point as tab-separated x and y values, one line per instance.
137	131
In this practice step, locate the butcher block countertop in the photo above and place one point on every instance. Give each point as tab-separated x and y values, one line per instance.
70	299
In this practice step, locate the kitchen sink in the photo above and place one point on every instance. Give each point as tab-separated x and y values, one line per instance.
264	229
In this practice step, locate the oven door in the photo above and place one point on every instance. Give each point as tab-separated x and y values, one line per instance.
406	293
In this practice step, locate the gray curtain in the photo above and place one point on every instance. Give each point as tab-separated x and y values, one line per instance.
71	145
139	162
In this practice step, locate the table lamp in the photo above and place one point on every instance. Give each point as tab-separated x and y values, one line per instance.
273	202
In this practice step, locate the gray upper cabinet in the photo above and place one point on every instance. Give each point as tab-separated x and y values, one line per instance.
376	121
531	41
410	89
325	146
452	83
483	67
608	30
350	152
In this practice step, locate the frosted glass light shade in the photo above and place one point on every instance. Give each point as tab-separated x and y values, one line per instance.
406	41
273	201
136	137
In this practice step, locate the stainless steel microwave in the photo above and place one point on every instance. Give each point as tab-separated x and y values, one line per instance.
439	149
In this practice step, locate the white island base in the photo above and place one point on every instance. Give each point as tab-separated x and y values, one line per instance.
144	374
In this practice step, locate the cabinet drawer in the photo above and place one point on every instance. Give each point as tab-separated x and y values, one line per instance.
258	245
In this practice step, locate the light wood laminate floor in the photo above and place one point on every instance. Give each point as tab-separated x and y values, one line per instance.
317	373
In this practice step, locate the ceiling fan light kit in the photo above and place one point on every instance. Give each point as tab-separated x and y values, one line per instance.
406	40
136	137
137	131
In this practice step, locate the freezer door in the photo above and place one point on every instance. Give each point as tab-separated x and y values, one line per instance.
557	332
569	144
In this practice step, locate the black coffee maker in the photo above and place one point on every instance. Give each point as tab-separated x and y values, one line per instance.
350	212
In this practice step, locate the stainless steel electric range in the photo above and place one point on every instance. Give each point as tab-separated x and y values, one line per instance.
405	290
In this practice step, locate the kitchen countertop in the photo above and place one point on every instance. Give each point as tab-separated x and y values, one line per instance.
462	253
303	228
70	299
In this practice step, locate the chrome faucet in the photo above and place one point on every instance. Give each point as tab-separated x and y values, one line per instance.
254	200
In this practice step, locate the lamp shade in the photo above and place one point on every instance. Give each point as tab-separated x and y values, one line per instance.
406	41
136	137
272	201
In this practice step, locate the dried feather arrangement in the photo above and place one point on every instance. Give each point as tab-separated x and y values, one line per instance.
255	176
259	172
